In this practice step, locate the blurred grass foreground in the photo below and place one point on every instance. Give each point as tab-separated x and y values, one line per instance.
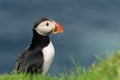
106	69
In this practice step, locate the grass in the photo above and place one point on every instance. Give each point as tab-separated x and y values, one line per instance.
107	69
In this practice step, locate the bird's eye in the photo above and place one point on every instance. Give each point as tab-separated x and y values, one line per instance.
47	24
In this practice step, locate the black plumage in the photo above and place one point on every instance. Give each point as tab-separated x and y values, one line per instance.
31	60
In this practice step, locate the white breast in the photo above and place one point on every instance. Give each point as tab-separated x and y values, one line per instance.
48	53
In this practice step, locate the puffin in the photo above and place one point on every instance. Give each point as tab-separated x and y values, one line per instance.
38	56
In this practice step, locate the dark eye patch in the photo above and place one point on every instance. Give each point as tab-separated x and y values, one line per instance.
47	24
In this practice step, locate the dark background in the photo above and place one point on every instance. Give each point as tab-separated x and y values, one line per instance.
92	27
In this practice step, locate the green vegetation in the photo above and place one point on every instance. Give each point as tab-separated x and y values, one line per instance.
107	69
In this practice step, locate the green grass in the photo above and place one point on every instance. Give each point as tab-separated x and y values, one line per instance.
107	69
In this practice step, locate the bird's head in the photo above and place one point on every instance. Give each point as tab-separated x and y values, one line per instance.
45	26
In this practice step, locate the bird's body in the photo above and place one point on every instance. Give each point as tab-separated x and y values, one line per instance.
38	56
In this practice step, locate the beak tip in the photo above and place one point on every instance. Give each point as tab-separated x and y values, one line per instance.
60	28
61	31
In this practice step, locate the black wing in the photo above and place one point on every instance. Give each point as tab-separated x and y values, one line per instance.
30	61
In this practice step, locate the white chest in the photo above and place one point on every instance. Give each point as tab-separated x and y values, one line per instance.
48	53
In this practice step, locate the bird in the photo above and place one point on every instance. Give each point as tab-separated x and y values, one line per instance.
39	54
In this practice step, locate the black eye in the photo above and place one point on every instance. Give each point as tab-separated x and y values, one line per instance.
47	24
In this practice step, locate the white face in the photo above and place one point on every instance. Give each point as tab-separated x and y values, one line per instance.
45	27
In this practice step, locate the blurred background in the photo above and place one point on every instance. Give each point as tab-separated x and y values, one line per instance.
92	27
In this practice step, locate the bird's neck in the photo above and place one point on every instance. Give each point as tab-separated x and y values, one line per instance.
39	40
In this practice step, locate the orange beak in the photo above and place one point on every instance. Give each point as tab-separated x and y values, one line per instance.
58	28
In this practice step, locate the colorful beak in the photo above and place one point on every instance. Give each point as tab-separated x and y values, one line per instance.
58	28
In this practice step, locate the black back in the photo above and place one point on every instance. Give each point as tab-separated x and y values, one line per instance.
31	60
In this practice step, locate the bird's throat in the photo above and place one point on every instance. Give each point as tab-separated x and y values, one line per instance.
39	40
